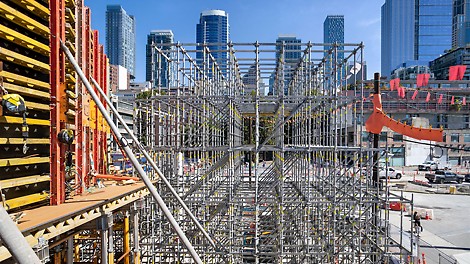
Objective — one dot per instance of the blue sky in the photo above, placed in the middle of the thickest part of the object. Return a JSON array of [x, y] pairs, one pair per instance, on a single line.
[[250, 20]]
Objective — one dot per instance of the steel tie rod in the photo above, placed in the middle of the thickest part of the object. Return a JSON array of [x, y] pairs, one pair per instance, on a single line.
[[125, 146]]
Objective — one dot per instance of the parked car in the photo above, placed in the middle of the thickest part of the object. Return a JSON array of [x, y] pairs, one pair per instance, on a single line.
[[434, 165], [392, 173], [467, 177], [443, 177]]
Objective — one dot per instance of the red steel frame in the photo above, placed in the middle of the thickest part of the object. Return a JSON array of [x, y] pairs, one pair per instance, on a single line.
[[84, 133], [57, 81]]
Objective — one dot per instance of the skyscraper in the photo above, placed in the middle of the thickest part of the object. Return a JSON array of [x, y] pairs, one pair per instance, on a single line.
[[414, 32], [460, 23], [213, 29], [160, 77], [433, 29], [120, 38], [333, 32], [291, 54]]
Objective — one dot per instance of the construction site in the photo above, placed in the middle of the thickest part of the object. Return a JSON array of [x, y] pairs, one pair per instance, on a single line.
[[221, 172]]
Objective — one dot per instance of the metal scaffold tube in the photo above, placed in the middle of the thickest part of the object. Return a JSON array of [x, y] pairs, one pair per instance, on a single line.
[[124, 145], [15, 242], [154, 165]]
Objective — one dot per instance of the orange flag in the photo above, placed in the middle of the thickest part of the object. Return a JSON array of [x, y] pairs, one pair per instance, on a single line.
[[428, 97], [414, 95]]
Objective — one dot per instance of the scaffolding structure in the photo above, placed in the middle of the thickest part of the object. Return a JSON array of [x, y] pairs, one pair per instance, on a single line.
[[277, 178]]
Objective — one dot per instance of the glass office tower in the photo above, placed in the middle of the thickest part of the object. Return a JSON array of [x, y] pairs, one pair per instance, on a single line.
[[160, 74], [414, 32], [460, 23], [120, 38], [213, 29]]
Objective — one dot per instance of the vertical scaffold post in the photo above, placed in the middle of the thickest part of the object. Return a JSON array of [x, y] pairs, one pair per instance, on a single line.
[[125, 146]]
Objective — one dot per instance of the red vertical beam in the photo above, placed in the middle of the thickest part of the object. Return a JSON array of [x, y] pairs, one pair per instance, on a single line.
[[87, 58], [79, 122], [57, 77], [103, 140], [96, 71]]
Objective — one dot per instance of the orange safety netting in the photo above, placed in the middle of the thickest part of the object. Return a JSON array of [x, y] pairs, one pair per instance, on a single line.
[[378, 119]]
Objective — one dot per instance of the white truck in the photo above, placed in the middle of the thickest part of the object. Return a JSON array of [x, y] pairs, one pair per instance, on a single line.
[[431, 165]]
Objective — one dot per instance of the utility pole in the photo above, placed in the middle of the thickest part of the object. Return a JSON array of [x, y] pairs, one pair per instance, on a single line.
[[375, 170]]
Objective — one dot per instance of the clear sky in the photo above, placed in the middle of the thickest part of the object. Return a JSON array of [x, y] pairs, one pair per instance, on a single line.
[[250, 21]]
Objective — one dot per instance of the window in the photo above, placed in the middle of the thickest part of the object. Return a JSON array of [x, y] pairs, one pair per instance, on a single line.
[[383, 136], [454, 137], [466, 138], [365, 136], [397, 137]]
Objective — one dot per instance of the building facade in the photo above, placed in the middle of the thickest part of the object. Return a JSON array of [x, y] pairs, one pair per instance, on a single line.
[[159, 73], [459, 56], [453, 118], [460, 23], [213, 29], [120, 38], [414, 31], [288, 50], [333, 32]]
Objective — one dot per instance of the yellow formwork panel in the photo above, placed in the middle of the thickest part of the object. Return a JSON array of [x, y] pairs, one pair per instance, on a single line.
[[24, 41], [12, 88], [70, 78], [19, 120], [20, 59], [25, 200], [37, 106], [71, 46], [69, 15], [11, 183], [34, 7], [70, 3], [69, 31], [92, 115], [23, 20], [19, 141], [23, 161], [31, 83]]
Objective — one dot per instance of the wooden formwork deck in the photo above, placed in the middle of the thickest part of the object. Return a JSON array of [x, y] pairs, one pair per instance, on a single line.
[[49, 222]]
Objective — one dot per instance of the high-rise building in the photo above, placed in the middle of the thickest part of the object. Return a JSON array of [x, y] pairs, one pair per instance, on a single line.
[[433, 29], [460, 23], [120, 38], [333, 32], [213, 29], [414, 32], [288, 49], [160, 69]]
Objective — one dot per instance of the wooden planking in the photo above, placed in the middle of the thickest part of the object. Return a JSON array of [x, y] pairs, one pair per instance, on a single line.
[[23, 40], [11, 183], [16, 78], [23, 20], [34, 7], [23, 161], [25, 200], [19, 120], [24, 60], [20, 141], [26, 91]]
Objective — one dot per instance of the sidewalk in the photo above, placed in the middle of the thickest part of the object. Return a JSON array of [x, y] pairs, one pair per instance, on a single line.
[[429, 243]]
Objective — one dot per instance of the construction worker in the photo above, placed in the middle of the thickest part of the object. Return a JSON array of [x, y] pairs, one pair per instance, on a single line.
[[417, 221]]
